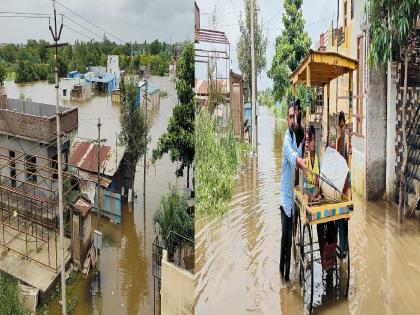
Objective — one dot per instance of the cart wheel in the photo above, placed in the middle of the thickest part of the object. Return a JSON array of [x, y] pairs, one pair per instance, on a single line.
[[307, 267]]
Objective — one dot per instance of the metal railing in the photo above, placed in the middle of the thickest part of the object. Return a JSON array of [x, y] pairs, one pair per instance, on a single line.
[[181, 251], [157, 252]]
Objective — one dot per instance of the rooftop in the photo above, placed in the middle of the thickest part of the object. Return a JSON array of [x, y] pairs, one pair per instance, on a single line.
[[32, 120], [84, 154], [151, 88]]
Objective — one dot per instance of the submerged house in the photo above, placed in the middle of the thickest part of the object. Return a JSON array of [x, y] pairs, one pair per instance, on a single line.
[[81, 91], [153, 94], [106, 83], [113, 170]]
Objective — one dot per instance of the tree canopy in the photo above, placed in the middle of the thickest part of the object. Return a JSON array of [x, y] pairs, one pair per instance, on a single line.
[[134, 123], [291, 47], [34, 61], [244, 44], [390, 24], [178, 140]]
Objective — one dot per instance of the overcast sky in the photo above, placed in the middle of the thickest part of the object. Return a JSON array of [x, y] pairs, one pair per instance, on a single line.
[[129, 20], [317, 14]]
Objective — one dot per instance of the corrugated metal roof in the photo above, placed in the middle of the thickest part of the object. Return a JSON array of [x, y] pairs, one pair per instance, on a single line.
[[84, 154], [151, 88], [108, 77]]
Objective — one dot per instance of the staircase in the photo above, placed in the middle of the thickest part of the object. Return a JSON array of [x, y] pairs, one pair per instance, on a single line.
[[412, 172]]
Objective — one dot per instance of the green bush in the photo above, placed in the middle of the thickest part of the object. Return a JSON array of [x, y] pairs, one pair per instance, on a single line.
[[217, 163], [9, 296], [173, 216]]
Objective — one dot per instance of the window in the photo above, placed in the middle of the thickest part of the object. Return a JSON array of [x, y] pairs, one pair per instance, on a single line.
[[64, 92], [30, 166], [352, 9], [12, 162]]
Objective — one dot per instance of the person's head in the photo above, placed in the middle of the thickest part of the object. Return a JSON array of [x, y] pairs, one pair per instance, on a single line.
[[312, 138], [291, 117], [342, 122]]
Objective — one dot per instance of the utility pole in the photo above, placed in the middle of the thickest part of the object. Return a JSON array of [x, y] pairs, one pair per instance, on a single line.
[[146, 85], [253, 83], [56, 37], [98, 204]]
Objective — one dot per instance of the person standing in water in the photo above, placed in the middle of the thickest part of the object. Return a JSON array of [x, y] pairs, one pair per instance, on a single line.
[[343, 147], [291, 159]]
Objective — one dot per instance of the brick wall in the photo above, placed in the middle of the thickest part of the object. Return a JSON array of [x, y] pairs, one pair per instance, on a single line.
[[413, 99], [36, 127], [3, 101]]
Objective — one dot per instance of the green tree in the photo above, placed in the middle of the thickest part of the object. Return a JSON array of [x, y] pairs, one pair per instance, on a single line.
[[173, 216], [2, 72], [155, 47], [392, 27], [244, 44], [291, 47], [179, 138], [134, 124]]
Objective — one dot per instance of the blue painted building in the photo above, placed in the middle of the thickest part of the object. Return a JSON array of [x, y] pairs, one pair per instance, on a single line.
[[153, 94], [106, 83]]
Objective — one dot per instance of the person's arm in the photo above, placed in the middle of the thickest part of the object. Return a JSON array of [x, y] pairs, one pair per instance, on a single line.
[[292, 156]]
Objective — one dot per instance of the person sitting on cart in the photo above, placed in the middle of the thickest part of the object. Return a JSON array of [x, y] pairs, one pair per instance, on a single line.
[[312, 162], [290, 160], [343, 147]]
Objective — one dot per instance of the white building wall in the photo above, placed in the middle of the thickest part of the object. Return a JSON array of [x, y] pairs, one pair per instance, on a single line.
[[113, 67]]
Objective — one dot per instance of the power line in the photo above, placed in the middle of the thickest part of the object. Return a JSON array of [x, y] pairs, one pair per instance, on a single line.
[[28, 13], [77, 32], [86, 20], [67, 17], [23, 16]]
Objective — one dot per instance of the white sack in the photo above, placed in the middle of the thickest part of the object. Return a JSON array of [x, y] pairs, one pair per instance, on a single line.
[[334, 167]]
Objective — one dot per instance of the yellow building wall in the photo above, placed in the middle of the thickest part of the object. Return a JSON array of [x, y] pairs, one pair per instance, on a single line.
[[349, 49], [177, 291]]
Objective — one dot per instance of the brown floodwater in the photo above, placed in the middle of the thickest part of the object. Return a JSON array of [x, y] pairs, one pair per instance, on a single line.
[[237, 255], [126, 266]]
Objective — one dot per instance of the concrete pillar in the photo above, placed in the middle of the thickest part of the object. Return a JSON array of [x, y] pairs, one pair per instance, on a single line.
[[376, 132], [391, 134]]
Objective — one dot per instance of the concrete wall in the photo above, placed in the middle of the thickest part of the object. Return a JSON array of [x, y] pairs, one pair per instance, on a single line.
[[376, 134], [177, 291], [390, 134]]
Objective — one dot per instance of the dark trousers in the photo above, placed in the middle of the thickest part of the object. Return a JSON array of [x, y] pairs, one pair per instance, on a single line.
[[342, 225], [286, 243]]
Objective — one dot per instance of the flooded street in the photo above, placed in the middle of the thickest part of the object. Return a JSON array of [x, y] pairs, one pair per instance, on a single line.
[[237, 256], [126, 265]]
